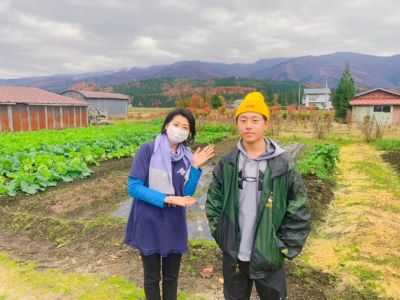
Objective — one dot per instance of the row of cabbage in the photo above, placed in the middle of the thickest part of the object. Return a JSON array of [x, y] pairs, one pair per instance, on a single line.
[[32, 161]]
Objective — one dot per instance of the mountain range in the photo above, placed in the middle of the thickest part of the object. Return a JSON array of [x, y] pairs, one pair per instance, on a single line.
[[367, 70]]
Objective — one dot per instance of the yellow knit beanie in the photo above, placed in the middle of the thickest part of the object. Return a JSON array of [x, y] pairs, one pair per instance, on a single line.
[[253, 102]]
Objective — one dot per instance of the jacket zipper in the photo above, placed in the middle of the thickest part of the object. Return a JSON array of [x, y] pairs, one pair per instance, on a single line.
[[262, 208]]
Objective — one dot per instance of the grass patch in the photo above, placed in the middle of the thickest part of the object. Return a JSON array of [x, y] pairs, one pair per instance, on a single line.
[[204, 244], [390, 260], [32, 282], [314, 142], [324, 285], [55, 284], [380, 177], [103, 222], [368, 278], [350, 252]]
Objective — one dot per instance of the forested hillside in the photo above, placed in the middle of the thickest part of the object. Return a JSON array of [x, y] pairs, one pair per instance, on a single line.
[[166, 91]]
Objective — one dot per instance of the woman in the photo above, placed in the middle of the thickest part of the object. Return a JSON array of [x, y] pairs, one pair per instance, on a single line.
[[162, 180]]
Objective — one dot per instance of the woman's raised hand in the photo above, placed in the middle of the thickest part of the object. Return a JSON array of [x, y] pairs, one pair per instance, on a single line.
[[201, 156], [180, 201]]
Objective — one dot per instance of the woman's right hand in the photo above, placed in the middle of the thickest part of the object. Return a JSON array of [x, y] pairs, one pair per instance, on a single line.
[[180, 201], [201, 156]]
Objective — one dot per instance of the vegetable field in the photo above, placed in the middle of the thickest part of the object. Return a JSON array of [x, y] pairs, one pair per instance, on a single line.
[[32, 161], [74, 232]]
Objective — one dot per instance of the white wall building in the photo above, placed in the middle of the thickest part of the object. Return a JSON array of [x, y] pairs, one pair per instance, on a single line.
[[320, 98]]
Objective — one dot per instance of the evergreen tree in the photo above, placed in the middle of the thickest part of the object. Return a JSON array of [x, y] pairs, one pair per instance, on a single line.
[[281, 99], [270, 99], [344, 93], [216, 102]]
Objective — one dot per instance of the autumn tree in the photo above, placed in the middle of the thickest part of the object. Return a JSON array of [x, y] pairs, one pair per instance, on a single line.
[[183, 102], [197, 101], [344, 93]]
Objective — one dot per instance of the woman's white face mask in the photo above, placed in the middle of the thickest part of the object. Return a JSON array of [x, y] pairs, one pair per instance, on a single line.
[[177, 135]]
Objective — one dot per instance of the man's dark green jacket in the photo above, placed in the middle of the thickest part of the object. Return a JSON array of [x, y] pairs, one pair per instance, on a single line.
[[283, 221]]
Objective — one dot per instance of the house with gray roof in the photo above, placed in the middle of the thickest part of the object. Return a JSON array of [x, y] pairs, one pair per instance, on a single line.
[[320, 98]]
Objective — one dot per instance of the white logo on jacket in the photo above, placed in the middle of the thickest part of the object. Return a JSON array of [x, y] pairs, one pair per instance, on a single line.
[[181, 171]]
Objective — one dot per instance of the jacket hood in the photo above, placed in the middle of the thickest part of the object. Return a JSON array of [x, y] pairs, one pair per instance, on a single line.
[[273, 149]]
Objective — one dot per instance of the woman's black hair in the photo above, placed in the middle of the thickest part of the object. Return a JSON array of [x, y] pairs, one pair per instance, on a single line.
[[184, 112]]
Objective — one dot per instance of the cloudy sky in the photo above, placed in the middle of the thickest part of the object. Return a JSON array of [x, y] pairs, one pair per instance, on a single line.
[[45, 37]]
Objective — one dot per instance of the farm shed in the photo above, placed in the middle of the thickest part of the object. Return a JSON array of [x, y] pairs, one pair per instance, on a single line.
[[383, 104], [30, 108], [112, 104]]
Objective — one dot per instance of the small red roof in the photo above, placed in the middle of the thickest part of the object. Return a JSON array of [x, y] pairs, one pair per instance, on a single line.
[[375, 102], [376, 96], [33, 95], [102, 95]]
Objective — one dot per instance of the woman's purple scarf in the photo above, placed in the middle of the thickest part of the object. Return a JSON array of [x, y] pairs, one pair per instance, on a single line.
[[160, 171]]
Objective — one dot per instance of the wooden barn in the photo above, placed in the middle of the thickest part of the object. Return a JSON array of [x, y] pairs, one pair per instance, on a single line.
[[30, 108], [113, 104], [380, 103]]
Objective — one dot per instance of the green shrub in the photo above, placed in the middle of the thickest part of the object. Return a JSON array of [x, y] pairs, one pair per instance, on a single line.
[[321, 162]]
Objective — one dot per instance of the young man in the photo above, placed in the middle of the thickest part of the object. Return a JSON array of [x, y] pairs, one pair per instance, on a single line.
[[257, 208]]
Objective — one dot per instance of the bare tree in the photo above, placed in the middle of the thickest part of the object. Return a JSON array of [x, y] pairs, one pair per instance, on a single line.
[[321, 123], [371, 130]]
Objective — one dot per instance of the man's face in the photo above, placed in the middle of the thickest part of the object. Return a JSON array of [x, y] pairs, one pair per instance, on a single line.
[[251, 127]]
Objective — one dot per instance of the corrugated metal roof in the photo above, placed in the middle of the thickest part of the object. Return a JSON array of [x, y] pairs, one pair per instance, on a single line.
[[378, 89], [317, 91], [103, 95], [371, 97], [381, 101], [33, 95]]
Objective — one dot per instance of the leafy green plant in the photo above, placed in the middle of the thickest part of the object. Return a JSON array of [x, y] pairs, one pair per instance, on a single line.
[[391, 145], [321, 162], [32, 161], [214, 133]]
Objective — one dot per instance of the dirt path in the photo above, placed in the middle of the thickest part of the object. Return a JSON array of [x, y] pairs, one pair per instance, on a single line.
[[359, 241], [393, 158]]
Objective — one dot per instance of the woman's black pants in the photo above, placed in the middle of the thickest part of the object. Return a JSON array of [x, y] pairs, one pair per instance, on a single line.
[[153, 266]]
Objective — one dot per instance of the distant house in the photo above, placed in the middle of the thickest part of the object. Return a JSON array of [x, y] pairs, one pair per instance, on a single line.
[[320, 98], [30, 108], [236, 103], [112, 104], [383, 104]]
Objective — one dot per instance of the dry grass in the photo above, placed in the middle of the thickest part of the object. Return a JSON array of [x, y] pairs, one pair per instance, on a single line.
[[359, 242], [338, 131]]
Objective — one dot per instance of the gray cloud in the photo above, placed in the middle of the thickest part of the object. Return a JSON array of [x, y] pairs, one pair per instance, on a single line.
[[47, 37]]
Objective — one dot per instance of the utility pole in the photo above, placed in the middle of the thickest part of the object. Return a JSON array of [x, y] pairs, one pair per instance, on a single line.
[[299, 94], [326, 93]]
